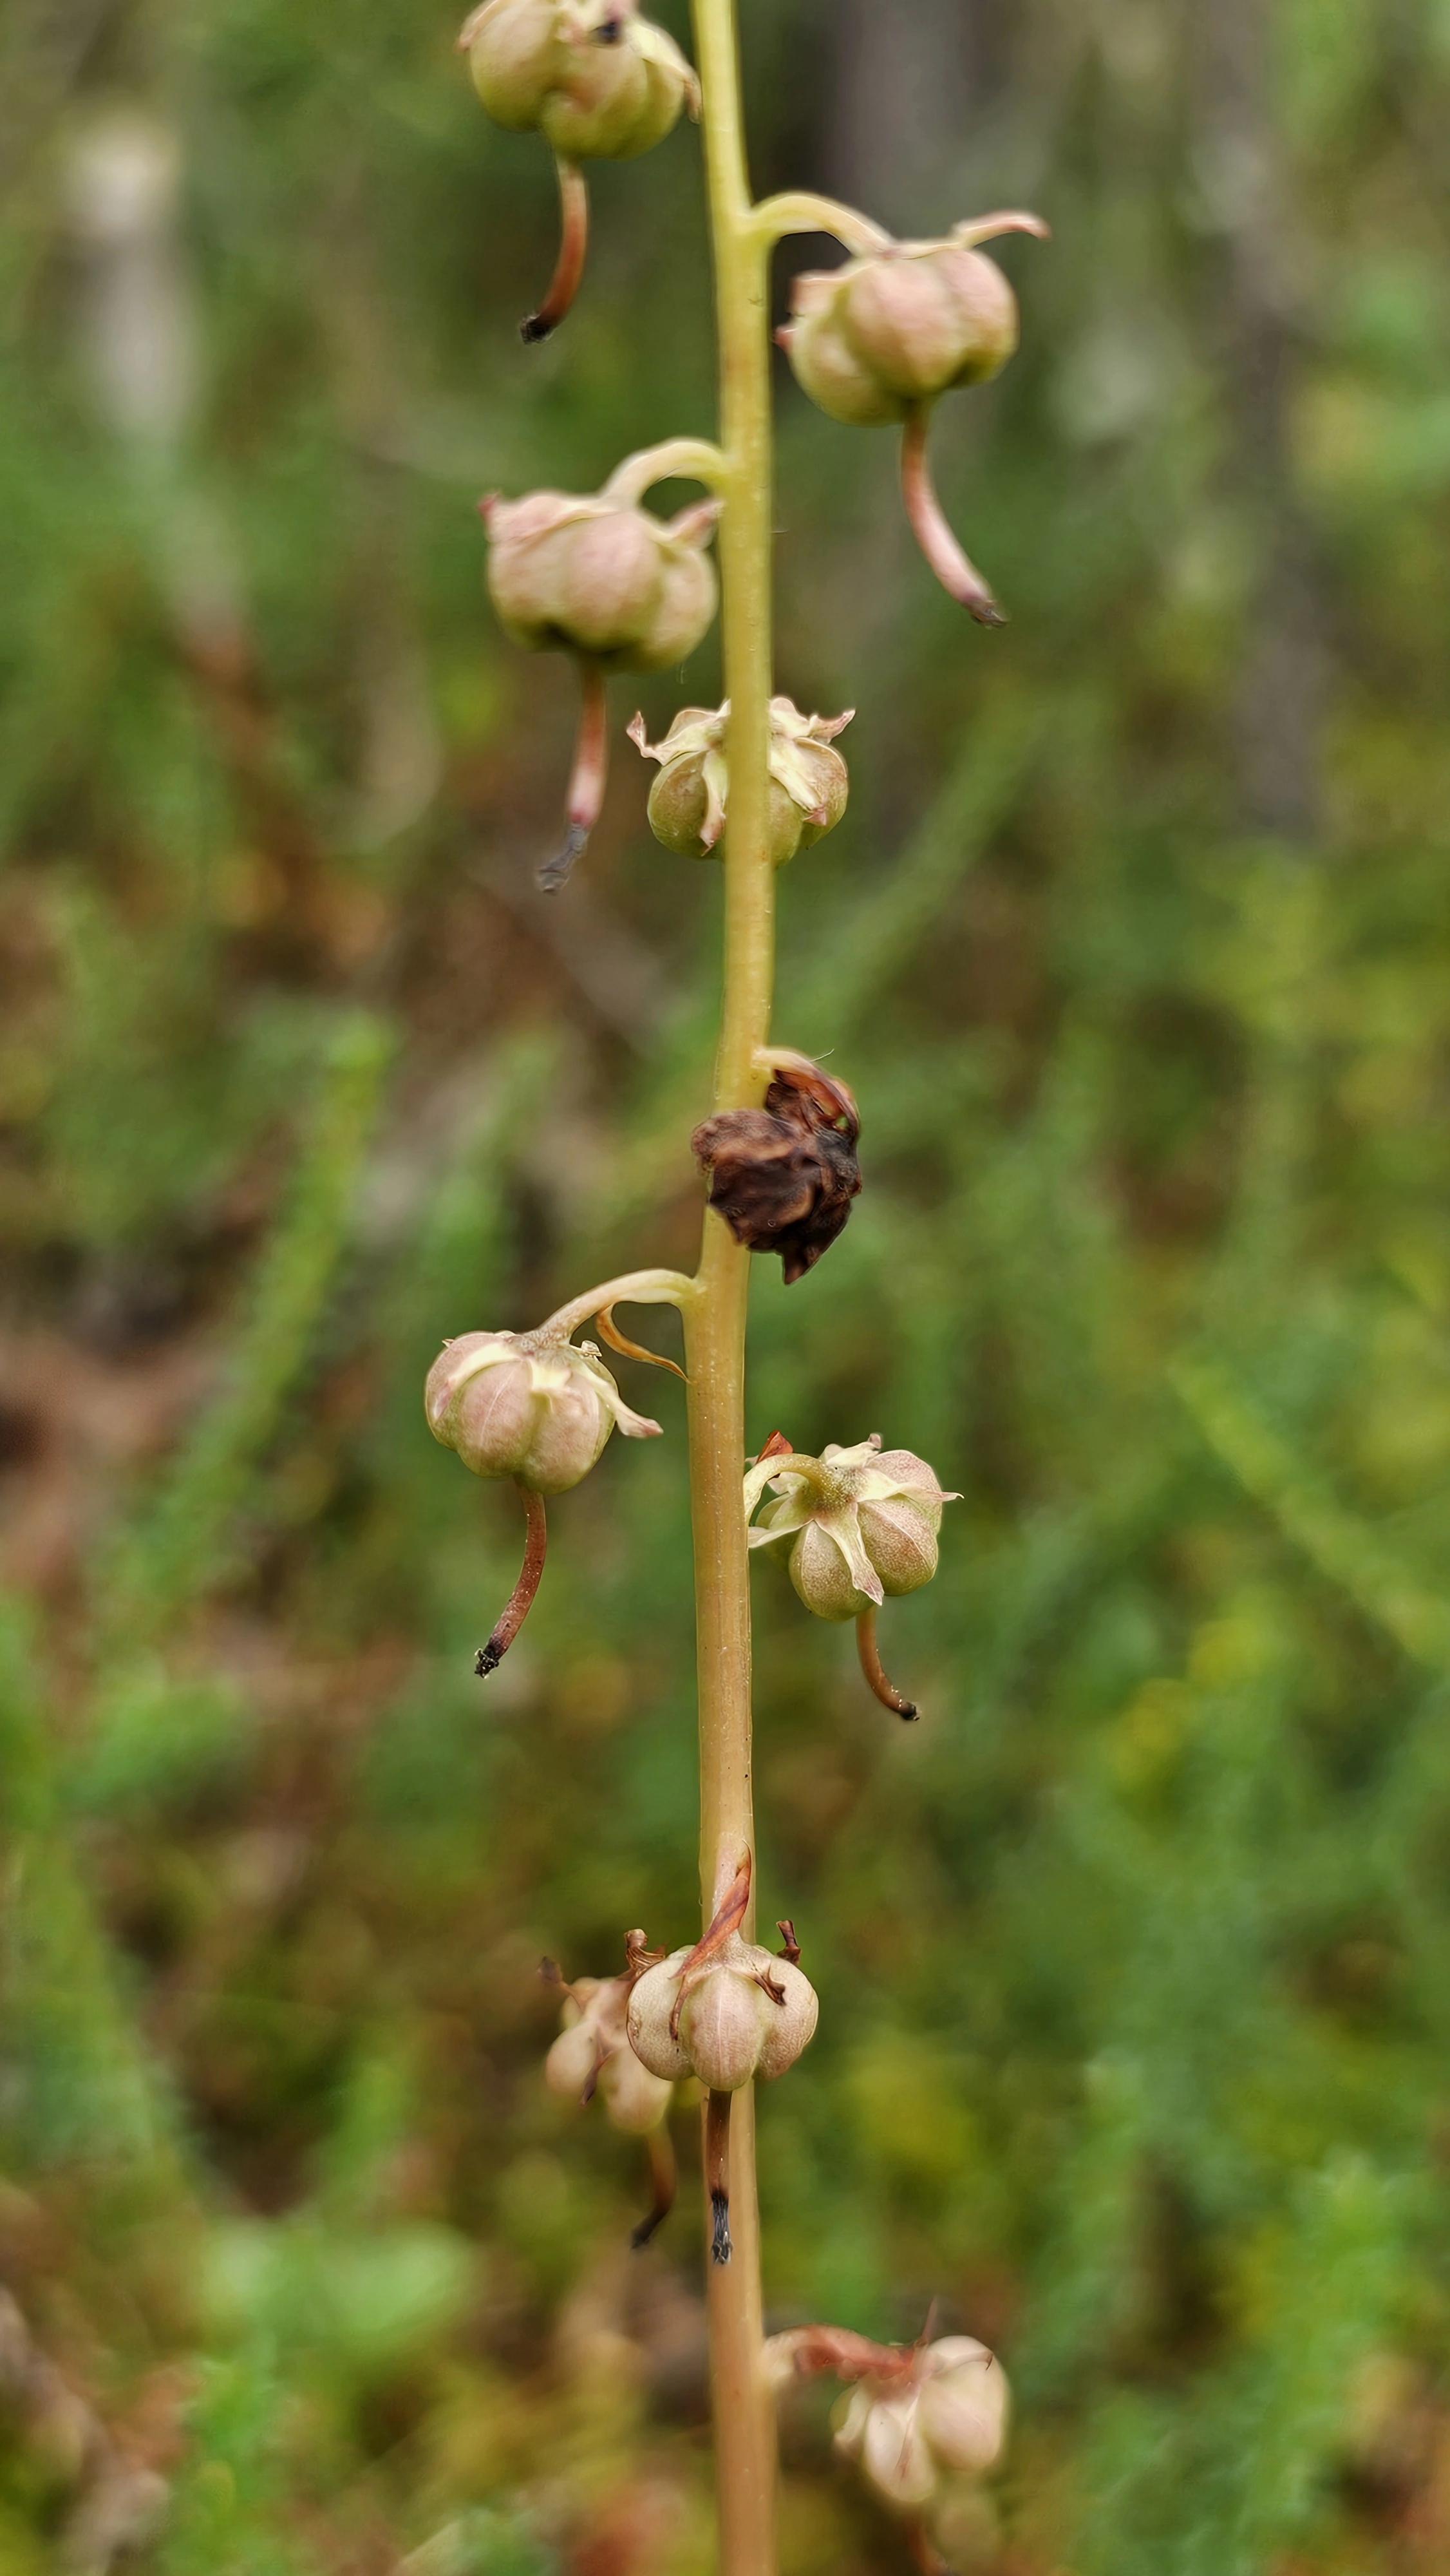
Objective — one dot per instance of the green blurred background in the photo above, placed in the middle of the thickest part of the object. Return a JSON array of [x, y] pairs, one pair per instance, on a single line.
[[1134, 1956]]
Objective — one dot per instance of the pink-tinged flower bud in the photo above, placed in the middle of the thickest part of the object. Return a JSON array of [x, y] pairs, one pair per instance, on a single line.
[[688, 803], [518, 54], [963, 2401], [947, 2411], [576, 573], [855, 1525], [880, 338], [899, 327], [883, 2434], [742, 2014], [592, 2055], [599, 82], [514, 1404]]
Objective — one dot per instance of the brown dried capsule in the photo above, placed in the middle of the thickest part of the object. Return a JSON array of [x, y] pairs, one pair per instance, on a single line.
[[783, 1177]]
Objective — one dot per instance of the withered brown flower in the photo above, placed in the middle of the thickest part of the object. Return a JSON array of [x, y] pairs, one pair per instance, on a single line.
[[783, 1177]]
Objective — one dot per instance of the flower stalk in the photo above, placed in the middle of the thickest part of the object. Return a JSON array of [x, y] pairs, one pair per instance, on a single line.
[[599, 576], [715, 1321]]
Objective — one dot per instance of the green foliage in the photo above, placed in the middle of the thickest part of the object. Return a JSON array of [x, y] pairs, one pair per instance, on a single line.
[[1133, 1955]]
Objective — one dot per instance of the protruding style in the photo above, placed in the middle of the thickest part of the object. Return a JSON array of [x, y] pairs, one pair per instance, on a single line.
[[725, 2011]]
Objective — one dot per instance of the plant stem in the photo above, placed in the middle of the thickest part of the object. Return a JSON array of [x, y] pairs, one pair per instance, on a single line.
[[715, 1323]]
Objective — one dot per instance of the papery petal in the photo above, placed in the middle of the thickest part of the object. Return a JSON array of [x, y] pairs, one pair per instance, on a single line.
[[635, 1426], [845, 1529], [767, 1471], [864, 1451], [715, 779], [875, 1484], [894, 2455]]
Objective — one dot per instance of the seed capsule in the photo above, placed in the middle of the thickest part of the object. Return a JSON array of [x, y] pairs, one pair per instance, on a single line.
[[689, 800]]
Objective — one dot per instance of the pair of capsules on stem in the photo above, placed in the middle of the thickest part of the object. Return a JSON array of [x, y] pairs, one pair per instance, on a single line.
[[722, 2011]]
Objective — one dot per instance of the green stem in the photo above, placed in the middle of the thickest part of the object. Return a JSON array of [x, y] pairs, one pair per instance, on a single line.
[[801, 211], [715, 1323], [631, 1288], [680, 460]]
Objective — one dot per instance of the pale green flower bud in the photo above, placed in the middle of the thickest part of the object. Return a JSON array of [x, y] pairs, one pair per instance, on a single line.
[[599, 82], [689, 800], [576, 573], [856, 1526], [897, 327], [746, 2013], [513, 1404]]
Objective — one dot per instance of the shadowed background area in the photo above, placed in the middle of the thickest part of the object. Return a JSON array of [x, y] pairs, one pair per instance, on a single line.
[[1133, 944]]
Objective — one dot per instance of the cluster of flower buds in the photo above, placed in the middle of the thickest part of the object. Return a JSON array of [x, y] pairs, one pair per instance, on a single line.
[[599, 83], [605, 580], [880, 338], [533, 1406], [724, 2011], [917, 2412], [689, 800], [783, 1176], [854, 1526], [592, 2055]]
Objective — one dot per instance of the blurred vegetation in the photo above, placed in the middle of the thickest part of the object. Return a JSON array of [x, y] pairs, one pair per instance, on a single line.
[[1133, 1956]]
